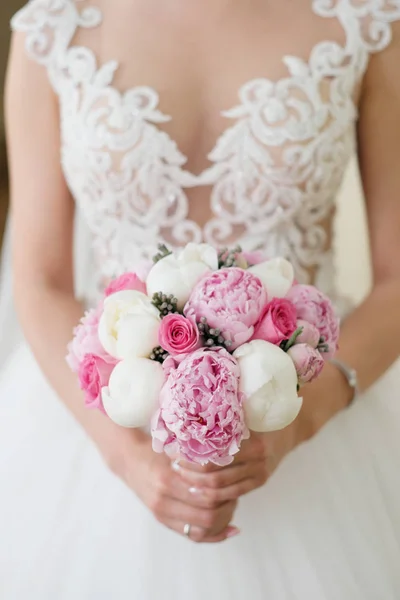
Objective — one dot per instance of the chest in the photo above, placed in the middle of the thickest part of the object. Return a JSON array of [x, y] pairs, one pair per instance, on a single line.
[[198, 59]]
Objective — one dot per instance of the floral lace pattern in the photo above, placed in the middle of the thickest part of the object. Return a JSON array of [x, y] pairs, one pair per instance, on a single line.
[[274, 172]]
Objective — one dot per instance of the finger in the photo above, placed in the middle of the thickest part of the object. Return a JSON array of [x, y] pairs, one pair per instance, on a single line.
[[211, 520], [222, 478], [199, 535], [175, 487], [171, 485], [196, 534], [178, 465], [168, 509], [230, 532], [231, 492], [184, 491], [253, 449]]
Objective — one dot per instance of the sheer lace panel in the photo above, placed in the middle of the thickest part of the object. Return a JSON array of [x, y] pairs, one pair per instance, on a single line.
[[274, 172]]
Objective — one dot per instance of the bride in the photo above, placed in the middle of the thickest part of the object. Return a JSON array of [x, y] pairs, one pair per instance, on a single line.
[[229, 121]]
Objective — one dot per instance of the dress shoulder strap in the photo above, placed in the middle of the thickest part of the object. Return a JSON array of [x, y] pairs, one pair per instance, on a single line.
[[368, 23], [50, 25]]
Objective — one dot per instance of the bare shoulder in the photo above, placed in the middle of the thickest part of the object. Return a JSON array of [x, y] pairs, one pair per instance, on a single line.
[[383, 68], [42, 209], [21, 66], [29, 97]]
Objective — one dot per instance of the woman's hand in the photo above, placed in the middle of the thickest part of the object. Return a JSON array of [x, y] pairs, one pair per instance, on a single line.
[[164, 492], [206, 497], [258, 458], [263, 452]]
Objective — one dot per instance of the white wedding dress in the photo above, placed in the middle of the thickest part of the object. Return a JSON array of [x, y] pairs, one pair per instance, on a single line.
[[327, 524]]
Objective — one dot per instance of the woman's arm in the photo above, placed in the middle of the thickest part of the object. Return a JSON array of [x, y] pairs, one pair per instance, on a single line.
[[42, 218], [370, 336], [42, 222]]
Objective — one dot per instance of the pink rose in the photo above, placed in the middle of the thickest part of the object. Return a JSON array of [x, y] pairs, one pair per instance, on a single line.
[[86, 340], [308, 362], [310, 334], [201, 415], [316, 308], [94, 374], [178, 335], [278, 322], [127, 281], [231, 300]]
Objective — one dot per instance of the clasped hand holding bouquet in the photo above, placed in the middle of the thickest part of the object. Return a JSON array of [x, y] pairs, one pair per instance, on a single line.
[[207, 352]]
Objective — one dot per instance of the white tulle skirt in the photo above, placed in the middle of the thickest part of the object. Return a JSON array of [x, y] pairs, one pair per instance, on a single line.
[[325, 527]]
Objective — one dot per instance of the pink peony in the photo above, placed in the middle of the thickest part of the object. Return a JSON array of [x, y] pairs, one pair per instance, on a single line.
[[316, 308], [127, 281], [231, 300], [86, 340], [94, 374], [310, 334], [201, 415], [178, 335], [278, 322], [254, 258], [308, 362]]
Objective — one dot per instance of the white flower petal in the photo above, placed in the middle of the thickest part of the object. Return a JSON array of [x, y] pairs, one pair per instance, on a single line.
[[269, 381], [277, 276], [282, 413], [128, 318], [163, 275], [177, 275], [138, 336], [192, 273], [270, 409], [203, 253], [131, 397]]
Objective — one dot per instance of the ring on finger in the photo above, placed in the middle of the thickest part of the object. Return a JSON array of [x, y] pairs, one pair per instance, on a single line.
[[186, 530]]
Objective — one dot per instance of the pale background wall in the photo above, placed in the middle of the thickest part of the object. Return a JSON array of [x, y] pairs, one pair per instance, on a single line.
[[7, 9]]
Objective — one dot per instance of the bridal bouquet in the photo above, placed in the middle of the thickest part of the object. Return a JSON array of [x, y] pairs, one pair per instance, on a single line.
[[200, 347]]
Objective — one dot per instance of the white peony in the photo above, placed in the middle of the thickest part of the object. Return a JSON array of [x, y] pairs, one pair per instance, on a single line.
[[131, 397], [268, 379], [129, 325], [277, 275], [177, 274]]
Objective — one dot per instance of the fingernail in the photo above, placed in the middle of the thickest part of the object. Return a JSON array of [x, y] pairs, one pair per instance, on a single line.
[[176, 466], [195, 491], [232, 531]]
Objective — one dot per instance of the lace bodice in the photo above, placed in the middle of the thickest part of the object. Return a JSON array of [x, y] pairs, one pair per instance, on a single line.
[[274, 173]]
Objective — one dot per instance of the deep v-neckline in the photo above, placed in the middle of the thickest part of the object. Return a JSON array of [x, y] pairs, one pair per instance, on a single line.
[[297, 69]]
